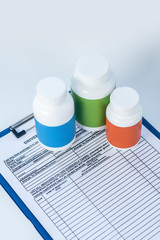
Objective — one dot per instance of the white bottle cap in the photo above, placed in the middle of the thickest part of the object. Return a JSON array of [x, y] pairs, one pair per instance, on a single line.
[[124, 109], [92, 69], [124, 99], [51, 91]]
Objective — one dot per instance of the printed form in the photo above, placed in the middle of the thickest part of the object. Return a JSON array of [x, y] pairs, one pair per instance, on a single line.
[[91, 191]]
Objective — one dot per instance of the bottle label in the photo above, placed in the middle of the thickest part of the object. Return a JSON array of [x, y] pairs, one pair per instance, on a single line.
[[90, 113], [123, 137], [56, 136]]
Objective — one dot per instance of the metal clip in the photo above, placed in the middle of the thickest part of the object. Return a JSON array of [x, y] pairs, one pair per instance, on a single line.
[[19, 123]]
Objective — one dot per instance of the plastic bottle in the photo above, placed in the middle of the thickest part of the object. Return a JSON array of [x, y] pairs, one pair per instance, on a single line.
[[123, 118], [53, 109], [91, 87]]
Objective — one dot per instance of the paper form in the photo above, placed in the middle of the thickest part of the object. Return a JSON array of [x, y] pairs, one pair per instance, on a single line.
[[91, 191]]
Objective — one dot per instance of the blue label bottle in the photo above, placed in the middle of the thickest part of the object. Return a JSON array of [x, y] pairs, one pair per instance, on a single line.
[[53, 109]]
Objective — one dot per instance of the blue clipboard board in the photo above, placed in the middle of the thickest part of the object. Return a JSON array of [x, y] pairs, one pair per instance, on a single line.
[[45, 235]]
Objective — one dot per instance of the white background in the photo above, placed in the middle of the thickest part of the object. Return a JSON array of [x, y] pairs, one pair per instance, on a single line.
[[45, 38]]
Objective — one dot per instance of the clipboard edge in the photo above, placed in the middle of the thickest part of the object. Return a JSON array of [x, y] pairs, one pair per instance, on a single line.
[[151, 128], [25, 210], [4, 132]]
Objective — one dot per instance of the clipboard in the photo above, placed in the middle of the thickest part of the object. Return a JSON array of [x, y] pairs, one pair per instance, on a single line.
[[26, 211]]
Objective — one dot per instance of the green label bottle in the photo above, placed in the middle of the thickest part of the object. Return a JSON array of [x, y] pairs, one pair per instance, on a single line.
[[91, 86]]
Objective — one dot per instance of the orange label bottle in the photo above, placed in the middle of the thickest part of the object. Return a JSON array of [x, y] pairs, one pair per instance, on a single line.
[[123, 118]]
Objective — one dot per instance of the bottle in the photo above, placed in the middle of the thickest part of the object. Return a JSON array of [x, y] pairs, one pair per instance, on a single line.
[[53, 109], [91, 87], [123, 118]]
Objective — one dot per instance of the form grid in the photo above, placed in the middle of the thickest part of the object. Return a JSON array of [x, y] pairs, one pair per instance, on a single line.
[[93, 191]]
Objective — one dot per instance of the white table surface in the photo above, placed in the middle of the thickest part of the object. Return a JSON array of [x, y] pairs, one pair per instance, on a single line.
[[44, 38]]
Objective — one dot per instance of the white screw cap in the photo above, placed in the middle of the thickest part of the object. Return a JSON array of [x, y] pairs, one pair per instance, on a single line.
[[92, 69], [51, 91], [124, 99]]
